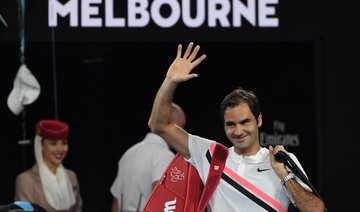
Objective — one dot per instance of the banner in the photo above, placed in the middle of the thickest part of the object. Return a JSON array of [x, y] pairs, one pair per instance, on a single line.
[[153, 20]]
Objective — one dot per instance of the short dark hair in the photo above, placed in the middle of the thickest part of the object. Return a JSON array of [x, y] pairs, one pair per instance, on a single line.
[[236, 97]]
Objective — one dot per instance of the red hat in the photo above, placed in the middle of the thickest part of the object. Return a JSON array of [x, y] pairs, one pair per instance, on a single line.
[[52, 129]]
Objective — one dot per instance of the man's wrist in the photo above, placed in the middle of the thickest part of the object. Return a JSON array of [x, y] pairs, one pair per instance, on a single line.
[[287, 178]]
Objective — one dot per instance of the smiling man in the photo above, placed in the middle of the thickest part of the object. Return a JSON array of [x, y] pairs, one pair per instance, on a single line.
[[252, 179]]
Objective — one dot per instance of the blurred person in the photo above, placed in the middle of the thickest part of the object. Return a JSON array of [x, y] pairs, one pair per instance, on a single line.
[[48, 183], [140, 168]]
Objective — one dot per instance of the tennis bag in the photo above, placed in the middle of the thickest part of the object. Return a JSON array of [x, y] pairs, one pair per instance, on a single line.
[[181, 189]]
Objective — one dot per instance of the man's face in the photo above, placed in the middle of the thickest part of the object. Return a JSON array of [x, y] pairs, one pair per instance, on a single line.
[[242, 129]]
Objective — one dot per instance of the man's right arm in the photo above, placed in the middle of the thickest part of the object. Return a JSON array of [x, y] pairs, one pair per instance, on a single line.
[[161, 121]]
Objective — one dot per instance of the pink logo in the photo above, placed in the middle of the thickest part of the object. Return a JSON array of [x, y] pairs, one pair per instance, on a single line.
[[176, 175]]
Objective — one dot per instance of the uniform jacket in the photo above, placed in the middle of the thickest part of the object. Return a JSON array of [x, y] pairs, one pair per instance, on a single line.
[[29, 188]]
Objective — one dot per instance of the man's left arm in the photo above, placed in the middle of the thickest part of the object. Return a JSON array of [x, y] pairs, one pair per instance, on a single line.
[[304, 199]]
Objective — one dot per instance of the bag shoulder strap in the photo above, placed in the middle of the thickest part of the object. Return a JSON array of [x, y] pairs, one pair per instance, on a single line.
[[217, 166]]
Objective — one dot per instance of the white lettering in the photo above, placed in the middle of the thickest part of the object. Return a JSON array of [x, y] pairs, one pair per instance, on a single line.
[[218, 14], [87, 11], [200, 13], [239, 9], [110, 20], [265, 11], [282, 138], [70, 8], [279, 139], [173, 17], [170, 206], [140, 13]]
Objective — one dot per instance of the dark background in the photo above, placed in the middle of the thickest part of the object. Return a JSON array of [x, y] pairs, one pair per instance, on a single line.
[[304, 72]]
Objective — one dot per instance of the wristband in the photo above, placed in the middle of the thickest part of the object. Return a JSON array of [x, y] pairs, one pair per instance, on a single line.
[[287, 177]]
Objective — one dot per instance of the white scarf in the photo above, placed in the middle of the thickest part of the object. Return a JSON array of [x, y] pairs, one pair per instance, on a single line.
[[57, 188]]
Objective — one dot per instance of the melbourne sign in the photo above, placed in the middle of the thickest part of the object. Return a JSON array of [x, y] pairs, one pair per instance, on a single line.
[[163, 13]]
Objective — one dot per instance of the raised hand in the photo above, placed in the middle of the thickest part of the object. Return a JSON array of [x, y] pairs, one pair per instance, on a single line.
[[180, 69]]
